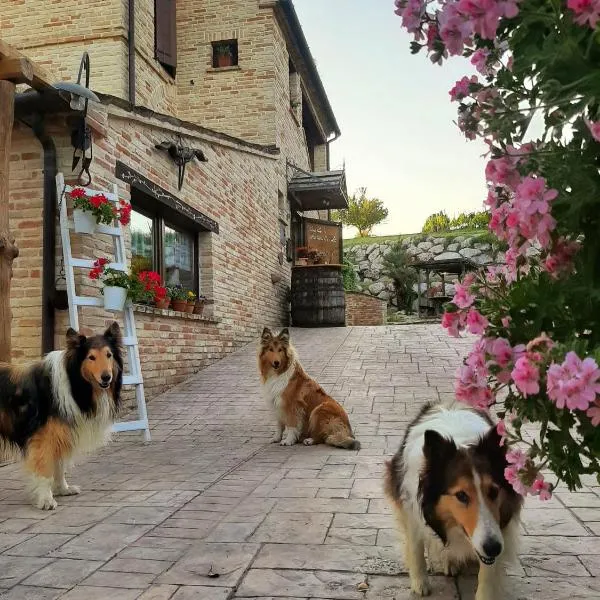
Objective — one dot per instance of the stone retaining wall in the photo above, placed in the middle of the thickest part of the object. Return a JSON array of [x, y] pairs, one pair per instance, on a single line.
[[368, 259], [363, 309]]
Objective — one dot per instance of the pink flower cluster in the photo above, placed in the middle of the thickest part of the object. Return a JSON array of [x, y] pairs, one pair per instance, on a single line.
[[466, 316], [457, 22], [519, 469], [575, 383], [594, 126], [462, 88], [587, 11]]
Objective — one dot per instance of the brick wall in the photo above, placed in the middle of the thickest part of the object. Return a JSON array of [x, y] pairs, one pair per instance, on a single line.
[[364, 310]]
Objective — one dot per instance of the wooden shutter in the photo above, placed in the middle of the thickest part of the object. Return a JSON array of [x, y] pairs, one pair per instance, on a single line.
[[165, 29]]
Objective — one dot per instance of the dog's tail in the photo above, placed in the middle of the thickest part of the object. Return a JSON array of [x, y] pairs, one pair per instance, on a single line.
[[343, 439]]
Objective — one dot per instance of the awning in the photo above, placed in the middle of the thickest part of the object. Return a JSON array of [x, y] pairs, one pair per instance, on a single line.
[[319, 191]]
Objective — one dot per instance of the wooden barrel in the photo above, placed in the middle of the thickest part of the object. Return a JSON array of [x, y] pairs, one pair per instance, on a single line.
[[318, 296]]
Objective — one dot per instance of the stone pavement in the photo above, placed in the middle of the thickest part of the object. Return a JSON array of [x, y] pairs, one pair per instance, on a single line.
[[210, 510]]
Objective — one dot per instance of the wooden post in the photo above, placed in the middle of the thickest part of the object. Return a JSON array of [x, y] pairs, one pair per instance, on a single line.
[[8, 249]]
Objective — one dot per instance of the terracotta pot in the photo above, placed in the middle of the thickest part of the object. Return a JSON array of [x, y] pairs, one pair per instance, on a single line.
[[199, 307], [190, 307], [164, 303], [303, 262], [224, 60], [179, 305]]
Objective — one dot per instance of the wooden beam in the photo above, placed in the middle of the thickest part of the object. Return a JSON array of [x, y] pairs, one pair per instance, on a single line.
[[40, 78], [17, 70], [8, 249]]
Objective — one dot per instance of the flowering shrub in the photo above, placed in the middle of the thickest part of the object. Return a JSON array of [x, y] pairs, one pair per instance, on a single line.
[[101, 207], [538, 315], [146, 287]]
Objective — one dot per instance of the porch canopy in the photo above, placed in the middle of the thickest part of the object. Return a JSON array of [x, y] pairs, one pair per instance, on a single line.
[[319, 191]]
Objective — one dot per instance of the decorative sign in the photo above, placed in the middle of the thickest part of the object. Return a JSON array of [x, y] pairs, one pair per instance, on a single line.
[[325, 237]]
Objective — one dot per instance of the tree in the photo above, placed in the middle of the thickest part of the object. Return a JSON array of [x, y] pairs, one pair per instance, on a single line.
[[436, 222], [537, 316], [396, 265], [363, 213]]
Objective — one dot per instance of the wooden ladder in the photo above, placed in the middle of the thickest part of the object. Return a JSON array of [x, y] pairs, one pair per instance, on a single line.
[[130, 341]]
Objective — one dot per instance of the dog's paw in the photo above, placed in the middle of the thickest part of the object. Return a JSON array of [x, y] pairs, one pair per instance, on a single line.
[[46, 503], [276, 438], [287, 442], [69, 490], [420, 587], [308, 442]]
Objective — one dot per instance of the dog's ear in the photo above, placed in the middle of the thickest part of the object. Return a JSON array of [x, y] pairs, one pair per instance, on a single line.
[[113, 333], [74, 339], [266, 336], [489, 445], [438, 449], [284, 336]]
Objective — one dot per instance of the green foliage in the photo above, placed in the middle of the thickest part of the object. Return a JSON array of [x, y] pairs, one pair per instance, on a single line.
[[436, 222], [440, 221], [396, 265], [362, 212], [349, 275]]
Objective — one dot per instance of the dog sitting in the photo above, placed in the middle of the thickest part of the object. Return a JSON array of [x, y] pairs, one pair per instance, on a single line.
[[302, 409], [447, 488], [60, 407]]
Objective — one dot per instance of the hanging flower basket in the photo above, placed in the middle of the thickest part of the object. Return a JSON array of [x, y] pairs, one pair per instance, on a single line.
[[114, 297], [85, 222]]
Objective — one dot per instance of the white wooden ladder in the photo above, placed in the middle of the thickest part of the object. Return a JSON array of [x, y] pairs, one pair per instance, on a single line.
[[130, 341]]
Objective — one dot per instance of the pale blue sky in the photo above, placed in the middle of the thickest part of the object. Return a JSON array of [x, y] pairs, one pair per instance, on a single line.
[[398, 136]]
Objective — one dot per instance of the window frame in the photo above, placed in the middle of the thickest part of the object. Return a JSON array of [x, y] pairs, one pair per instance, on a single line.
[[165, 35], [159, 222]]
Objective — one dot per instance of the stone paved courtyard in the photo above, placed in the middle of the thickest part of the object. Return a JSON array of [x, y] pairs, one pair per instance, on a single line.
[[210, 510]]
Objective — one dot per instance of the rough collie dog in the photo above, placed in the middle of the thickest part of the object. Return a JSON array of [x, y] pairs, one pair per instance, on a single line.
[[447, 488], [60, 407], [302, 409]]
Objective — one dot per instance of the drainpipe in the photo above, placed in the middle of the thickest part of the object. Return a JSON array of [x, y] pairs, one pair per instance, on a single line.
[[131, 50], [48, 234]]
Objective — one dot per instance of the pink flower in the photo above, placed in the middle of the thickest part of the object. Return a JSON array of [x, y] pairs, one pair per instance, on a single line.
[[573, 384], [502, 171], [511, 474], [462, 297], [526, 376], [480, 60], [462, 87], [594, 413], [471, 387], [501, 429], [454, 322], [594, 127], [476, 322], [541, 488], [483, 15], [411, 12], [455, 31], [502, 352], [517, 458], [587, 11], [505, 322]]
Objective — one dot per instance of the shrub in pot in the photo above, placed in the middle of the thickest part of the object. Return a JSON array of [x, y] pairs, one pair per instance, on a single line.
[[178, 298], [191, 302], [116, 284], [89, 211]]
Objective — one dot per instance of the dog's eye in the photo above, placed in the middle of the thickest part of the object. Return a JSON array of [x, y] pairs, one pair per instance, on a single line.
[[108, 355], [493, 493], [462, 497], [91, 357]]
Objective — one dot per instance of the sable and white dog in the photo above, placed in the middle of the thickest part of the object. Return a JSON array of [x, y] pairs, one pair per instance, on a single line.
[[59, 407], [447, 488], [302, 409]]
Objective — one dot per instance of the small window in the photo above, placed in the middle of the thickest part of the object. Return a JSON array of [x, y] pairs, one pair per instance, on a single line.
[[165, 34], [224, 54], [159, 246]]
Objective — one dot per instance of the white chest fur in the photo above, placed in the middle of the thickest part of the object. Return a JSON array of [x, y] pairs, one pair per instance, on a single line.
[[273, 389]]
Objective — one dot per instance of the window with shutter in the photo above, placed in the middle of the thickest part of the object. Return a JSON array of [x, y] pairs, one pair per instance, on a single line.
[[165, 34]]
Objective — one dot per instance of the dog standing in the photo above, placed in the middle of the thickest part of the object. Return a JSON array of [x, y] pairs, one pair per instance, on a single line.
[[59, 407], [447, 488], [302, 409]]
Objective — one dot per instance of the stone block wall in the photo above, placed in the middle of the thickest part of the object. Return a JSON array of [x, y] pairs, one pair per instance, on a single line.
[[368, 259], [363, 309]]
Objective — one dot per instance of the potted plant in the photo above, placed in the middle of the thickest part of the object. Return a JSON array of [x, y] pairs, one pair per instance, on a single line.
[[191, 302], [178, 298], [89, 211], [116, 284], [302, 256], [144, 287], [224, 55], [200, 304], [161, 297]]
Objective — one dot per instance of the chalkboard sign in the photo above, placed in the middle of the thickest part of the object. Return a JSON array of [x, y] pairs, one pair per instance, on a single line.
[[325, 237]]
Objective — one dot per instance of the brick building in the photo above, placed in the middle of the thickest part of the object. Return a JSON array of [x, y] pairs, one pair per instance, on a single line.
[[232, 80]]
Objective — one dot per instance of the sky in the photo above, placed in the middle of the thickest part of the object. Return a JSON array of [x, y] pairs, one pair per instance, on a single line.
[[398, 138]]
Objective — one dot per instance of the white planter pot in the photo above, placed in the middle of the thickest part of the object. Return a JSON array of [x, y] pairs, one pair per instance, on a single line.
[[114, 298], [85, 222]]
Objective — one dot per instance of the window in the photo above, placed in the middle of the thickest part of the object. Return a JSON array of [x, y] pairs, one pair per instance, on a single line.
[[163, 247], [165, 34], [224, 54]]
